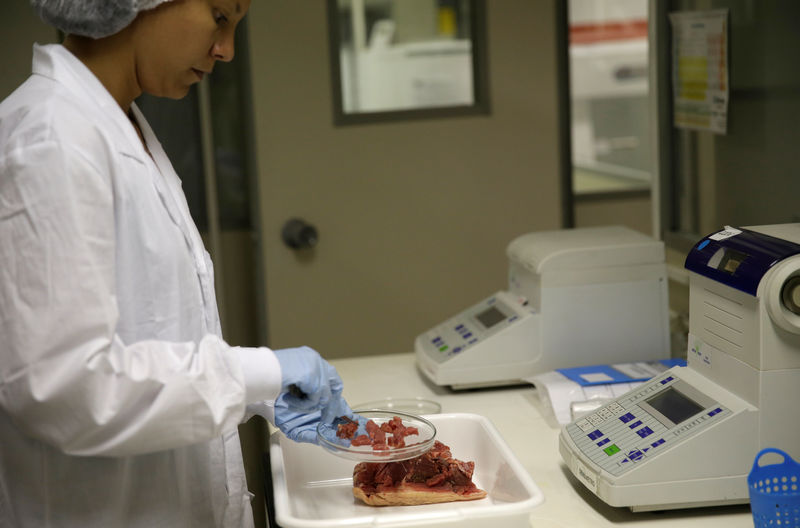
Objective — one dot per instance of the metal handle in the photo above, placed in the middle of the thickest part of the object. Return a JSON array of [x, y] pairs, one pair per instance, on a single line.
[[299, 234]]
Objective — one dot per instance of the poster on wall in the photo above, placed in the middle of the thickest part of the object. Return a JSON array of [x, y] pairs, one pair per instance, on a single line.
[[700, 84]]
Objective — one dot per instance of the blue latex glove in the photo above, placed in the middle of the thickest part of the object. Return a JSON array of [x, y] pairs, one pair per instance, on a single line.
[[301, 425], [305, 369], [335, 408], [298, 415]]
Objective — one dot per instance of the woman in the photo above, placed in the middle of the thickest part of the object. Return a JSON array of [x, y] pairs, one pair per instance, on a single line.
[[119, 401]]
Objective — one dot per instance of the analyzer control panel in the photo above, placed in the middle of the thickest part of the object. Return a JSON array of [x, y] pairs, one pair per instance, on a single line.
[[474, 325], [644, 422]]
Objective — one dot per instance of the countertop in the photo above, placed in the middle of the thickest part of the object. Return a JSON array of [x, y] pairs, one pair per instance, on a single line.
[[532, 434]]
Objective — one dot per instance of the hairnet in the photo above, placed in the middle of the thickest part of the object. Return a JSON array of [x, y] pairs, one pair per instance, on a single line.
[[91, 18]]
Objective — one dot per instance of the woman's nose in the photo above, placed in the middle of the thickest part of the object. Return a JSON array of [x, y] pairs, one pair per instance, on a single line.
[[223, 49]]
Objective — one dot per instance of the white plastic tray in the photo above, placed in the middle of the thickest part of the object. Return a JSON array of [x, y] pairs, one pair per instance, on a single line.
[[313, 488]]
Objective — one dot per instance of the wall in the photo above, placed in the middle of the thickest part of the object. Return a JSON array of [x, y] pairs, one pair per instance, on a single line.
[[632, 209], [20, 27], [461, 188]]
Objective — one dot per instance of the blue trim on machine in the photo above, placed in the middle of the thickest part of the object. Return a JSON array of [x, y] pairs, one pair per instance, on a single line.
[[754, 254]]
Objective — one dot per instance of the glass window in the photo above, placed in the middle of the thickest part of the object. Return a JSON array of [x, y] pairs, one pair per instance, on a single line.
[[392, 57], [608, 56]]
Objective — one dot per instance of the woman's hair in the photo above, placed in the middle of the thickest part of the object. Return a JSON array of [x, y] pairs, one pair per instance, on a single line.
[[91, 18]]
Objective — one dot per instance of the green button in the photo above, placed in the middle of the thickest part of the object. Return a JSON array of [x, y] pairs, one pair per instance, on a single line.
[[443, 348], [610, 450]]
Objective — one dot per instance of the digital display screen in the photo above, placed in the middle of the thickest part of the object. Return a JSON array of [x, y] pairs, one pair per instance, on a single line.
[[674, 405], [490, 317], [730, 261]]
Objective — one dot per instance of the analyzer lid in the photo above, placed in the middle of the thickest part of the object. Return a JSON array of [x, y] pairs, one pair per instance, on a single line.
[[584, 248], [740, 257]]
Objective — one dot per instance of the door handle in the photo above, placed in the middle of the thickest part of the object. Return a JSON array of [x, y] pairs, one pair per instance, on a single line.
[[299, 234]]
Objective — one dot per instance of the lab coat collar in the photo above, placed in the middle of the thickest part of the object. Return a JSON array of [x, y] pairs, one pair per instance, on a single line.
[[168, 186], [56, 62]]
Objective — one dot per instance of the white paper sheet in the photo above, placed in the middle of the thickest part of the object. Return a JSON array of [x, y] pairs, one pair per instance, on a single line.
[[700, 69], [557, 392]]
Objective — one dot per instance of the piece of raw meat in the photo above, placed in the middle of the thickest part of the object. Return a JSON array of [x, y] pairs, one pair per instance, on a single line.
[[430, 478], [376, 435]]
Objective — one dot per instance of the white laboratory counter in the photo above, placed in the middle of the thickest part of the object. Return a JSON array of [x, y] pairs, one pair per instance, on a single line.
[[517, 414]]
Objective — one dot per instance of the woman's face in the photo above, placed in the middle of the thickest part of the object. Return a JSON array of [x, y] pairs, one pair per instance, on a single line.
[[179, 42]]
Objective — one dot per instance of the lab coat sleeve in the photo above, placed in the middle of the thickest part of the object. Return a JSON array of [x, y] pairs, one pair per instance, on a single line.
[[66, 377], [260, 378]]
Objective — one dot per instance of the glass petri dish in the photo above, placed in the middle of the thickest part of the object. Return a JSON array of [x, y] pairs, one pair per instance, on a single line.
[[415, 445], [414, 406]]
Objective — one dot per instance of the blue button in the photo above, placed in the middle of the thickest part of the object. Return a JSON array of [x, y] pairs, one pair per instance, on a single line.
[[627, 417], [473, 340], [467, 335], [644, 432], [603, 442], [594, 435], [460, 327], [635, 455], [456, 350], [703, 244], [657, 442], [635, 424]]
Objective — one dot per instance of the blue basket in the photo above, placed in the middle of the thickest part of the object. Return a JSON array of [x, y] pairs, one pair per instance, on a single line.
[[775, 492]]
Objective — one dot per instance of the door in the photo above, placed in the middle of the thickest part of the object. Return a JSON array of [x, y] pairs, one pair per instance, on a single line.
[[413, 217]]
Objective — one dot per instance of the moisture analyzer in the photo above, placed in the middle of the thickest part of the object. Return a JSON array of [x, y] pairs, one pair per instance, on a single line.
[[575, 297], [688, 437]]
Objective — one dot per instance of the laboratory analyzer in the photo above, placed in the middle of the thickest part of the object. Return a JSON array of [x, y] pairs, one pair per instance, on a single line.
[[575, 297], [688, 437]]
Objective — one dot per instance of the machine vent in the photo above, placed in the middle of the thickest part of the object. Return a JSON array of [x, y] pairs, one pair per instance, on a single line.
[[723, 322]]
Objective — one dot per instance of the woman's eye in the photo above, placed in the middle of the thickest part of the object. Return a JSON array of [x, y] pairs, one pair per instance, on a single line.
[[220, 19]]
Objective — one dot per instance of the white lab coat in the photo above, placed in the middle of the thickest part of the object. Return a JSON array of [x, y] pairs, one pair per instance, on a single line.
[[119, 401]]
